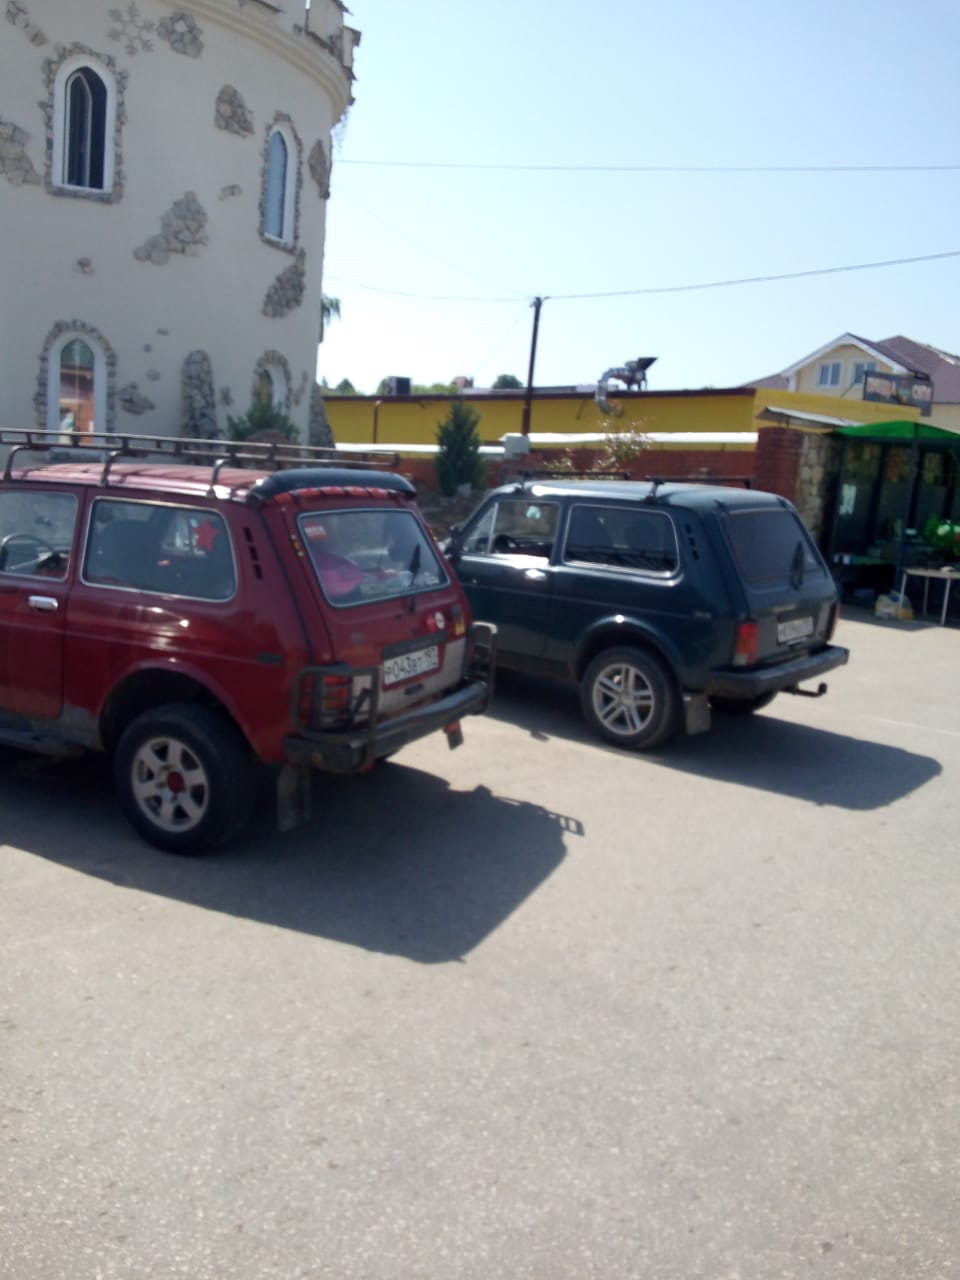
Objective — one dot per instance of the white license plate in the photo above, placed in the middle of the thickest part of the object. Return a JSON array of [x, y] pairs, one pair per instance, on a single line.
[[406, 665], [793, 630]]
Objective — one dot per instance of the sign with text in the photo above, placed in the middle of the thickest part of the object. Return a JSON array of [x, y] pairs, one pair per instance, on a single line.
[[899, 388]]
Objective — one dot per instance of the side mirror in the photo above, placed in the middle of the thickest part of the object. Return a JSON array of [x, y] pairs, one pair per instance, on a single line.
[[451, 545]]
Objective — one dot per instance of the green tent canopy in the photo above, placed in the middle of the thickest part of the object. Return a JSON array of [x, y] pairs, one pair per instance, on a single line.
[[905, 431]]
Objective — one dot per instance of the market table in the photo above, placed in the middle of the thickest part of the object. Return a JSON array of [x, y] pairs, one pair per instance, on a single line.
[[945, 574]]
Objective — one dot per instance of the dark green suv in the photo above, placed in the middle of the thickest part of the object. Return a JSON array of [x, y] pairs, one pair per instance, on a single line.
[[662, 600]]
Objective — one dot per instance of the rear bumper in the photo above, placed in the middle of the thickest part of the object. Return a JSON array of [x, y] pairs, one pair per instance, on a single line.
[[785, 675], [352, 749]]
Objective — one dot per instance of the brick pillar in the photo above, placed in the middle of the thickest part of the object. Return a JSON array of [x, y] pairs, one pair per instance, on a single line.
[[777, 461]]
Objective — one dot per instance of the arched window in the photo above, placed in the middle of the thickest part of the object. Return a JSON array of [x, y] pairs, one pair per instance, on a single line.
[[280, 185], [84, 115], [75, 401], [277, 161], [85, 130], [271, 383], [76, 384]]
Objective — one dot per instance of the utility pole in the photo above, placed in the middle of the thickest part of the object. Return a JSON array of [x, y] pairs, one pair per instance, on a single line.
[[536, 304]]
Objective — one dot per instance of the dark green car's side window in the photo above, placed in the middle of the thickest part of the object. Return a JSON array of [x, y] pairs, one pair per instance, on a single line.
[[622, 537], [514, 526]]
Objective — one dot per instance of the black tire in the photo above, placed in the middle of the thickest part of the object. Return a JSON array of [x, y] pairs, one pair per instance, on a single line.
[[741, 706], [184, 776], [629, 698]]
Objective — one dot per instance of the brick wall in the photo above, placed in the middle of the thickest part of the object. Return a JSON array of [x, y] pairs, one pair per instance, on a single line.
[[776, 465]]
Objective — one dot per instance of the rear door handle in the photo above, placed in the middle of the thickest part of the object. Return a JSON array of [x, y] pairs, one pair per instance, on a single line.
[[43, 604], [535, 575]]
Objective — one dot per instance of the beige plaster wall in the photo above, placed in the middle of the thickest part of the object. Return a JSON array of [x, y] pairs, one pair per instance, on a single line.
[[69, 258]]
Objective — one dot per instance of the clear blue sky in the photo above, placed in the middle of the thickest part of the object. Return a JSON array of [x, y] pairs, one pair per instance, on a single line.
[[435, 265]]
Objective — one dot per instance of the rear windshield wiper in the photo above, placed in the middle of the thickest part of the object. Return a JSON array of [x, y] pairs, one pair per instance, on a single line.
[[796, 567], [413, 569]]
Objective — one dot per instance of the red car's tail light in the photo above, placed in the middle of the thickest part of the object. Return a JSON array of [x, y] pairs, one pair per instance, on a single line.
[[327, 701], [745, 646], [334, 701]]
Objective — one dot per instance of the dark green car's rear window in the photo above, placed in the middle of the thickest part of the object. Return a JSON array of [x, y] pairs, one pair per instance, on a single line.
[[772, 546]]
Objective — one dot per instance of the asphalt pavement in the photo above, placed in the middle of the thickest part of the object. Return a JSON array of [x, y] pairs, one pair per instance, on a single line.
[[534, 1008]]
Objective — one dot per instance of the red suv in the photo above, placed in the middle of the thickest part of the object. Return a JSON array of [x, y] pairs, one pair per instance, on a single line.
[[194, 613]]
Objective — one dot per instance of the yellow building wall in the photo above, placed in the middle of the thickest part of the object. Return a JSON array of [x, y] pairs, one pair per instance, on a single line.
[[829, 407], [400, 420]]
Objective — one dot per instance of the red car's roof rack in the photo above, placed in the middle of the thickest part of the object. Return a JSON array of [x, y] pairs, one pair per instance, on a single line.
[[108, 447]]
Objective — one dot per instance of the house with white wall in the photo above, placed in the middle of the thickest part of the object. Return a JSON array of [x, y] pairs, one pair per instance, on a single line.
[[164, 176]]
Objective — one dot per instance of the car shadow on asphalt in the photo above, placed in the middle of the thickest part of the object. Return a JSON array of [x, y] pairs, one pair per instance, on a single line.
[[394, 861], [760, 751]]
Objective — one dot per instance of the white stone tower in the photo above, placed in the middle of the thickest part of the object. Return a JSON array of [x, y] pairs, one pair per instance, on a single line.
[[164, 172]]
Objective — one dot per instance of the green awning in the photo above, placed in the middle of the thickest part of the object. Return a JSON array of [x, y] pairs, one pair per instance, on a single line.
[[906, 431]]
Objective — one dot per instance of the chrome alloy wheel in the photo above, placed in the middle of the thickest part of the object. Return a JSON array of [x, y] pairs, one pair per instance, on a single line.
[[170, 784], [630, 697], [623, 699]]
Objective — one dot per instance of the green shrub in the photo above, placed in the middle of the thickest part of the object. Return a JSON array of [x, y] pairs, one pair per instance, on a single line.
[[263, 420], [459, 462]]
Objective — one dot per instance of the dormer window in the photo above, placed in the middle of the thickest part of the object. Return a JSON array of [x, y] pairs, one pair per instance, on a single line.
[[829, 374]]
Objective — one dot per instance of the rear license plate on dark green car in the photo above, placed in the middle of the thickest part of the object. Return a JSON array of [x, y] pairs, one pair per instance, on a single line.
[[794, 630]]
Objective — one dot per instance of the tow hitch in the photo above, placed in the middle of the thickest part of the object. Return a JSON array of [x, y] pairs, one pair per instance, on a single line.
[[820, 690]]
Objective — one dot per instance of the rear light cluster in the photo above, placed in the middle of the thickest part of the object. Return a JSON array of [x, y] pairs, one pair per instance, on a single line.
[[745, 646], [332, 700], [437, 623]]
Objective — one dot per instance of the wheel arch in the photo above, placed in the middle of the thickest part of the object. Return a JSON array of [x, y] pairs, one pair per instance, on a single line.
[[619, 632], [147, 689]]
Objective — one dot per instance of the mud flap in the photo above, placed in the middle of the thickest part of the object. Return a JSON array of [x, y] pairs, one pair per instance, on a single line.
[[294, 788], [696, 713]]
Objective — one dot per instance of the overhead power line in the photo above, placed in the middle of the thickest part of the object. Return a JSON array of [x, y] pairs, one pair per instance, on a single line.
[[675, 288], [786, 275], [655, 168]]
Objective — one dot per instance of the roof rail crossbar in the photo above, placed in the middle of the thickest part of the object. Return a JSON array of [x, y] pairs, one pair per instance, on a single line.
[[108, 447], [561, 474]]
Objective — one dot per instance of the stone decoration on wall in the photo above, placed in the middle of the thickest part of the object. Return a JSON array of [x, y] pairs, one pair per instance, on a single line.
[[319, 432], [18, 15], [15, 165], [182, 230], [298, 392], [132, 400], [83, 266], [199, 405], [79, 327], [182, 34], [286, 292], [50, 68], [319, 167], [231, 190], [131, 30], [232, 113], [819, 456]]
